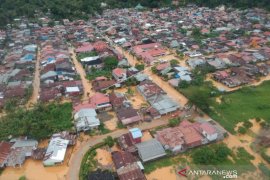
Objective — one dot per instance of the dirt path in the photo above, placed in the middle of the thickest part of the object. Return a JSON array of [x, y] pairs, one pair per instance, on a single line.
[[87, 86], [36, 82]]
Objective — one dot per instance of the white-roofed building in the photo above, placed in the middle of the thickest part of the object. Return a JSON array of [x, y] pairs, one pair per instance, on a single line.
[[56, 152], [86, 119]]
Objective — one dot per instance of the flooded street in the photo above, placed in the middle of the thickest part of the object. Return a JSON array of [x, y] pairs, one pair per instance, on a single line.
[[165, 173], [87, 86], [36, 82], [34, 170]]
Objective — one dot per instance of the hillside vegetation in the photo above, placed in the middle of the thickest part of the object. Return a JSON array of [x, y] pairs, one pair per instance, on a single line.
[[80, 9]]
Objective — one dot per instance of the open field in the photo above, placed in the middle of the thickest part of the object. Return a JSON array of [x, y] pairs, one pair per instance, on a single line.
[[234, 107], [242, 105]]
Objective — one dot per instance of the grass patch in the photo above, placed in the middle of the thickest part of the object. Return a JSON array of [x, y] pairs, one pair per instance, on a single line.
[[242, 105], [238, 106], [265, 170], [164, 162], [210, 157]]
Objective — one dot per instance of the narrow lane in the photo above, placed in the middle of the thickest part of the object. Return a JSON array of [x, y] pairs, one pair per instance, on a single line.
[[171, 91], [87, 86], [36, 82]]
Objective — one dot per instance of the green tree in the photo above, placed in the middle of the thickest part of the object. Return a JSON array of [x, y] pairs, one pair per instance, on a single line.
[[110, 63], [140, 67], [174, 122], [109, 141], [242, 130], [174, 62]]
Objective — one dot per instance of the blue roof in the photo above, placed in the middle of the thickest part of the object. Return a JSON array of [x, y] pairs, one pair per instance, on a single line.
[[50, 59], [28, 57], [135, 132]]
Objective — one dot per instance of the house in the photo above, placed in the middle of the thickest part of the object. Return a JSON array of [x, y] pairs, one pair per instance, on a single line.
[[49, 77], [150, 150], [195, 62], [5, 149], [164, 104], [100, 46], [130, 171], [171, 138], [119, 74], [191, 136], [122, 159], [127, 166], [182, 73], [72, 91], [56, 152], [208, 131], [149, 52], [84, 48], [126, 144], [67, 136], [86, 119], [100, 84], [93, 61], [100, 102], [20, 150], [136, 135], [117, 99], [217, 63], [149, 90], [157, 97], [128, 115]]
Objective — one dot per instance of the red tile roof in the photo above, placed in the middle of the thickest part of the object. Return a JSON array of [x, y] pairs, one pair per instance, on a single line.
[[119, 71]]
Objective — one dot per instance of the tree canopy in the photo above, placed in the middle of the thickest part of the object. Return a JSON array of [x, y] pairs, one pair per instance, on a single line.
[[80, 9], [38, 123]]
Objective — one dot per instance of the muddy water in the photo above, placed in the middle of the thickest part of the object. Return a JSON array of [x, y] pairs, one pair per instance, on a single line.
[[34, 170], [137, 100], [104, 157], [87, 86], [146, 136], [112, 123], [36, 83], [165, 173]]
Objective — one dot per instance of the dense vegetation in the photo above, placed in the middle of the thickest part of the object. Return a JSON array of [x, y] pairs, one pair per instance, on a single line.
[[110, 63], [38, 123], [79, 9], [209, 157], [71, 9], [233, 3], [239, 106]]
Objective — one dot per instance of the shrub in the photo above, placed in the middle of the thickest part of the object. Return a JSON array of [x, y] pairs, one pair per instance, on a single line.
[[242, 130], [211, 155], [174, 122], [109, 141], [140, 67], [248, 124], [264, 169]]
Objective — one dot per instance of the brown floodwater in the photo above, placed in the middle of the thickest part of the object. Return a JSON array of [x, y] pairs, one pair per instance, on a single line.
[[34, 170]]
